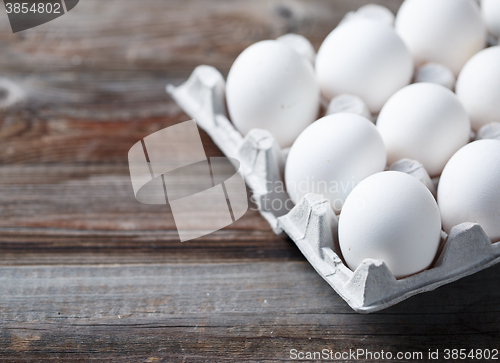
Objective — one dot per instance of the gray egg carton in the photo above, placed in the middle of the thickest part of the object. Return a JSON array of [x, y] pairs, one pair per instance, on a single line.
[[312, 224]]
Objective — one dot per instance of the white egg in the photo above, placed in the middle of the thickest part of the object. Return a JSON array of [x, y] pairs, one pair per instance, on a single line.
[[332, 156], [469, 188], [424, 122], [372, 12], [300, 44], [270, 86], [392, 217], [376, 12], [478, 87], [448, 32], [491, 14], [365, 58]]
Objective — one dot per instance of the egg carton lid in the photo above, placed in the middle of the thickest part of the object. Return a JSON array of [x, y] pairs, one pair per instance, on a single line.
[[311, 223]]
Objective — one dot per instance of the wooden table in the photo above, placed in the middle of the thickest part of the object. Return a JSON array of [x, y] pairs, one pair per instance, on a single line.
[[89, 274]]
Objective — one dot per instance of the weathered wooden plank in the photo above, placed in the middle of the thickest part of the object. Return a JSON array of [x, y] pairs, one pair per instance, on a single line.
[[168, 36], [239, 312], [36, 139], [55, 213], [36, 246], [86, 197]]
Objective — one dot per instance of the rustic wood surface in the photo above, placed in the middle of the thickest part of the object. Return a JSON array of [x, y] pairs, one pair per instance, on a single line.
[[89, 274]]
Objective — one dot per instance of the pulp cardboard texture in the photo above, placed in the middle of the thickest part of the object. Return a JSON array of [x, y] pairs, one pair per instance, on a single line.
[[312, 224]]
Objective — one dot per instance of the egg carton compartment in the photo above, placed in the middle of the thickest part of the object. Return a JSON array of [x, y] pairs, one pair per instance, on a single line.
[[312, 224]]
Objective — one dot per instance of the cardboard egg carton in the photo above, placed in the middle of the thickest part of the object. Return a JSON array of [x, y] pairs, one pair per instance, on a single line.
[[312, 224]]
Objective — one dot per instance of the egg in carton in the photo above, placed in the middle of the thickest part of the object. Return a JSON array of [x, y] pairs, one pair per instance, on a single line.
[[312, 224], [491, 13]]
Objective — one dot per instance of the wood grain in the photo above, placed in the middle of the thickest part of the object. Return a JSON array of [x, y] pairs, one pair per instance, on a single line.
[[172, 38], [255, 312], [89, 274]]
